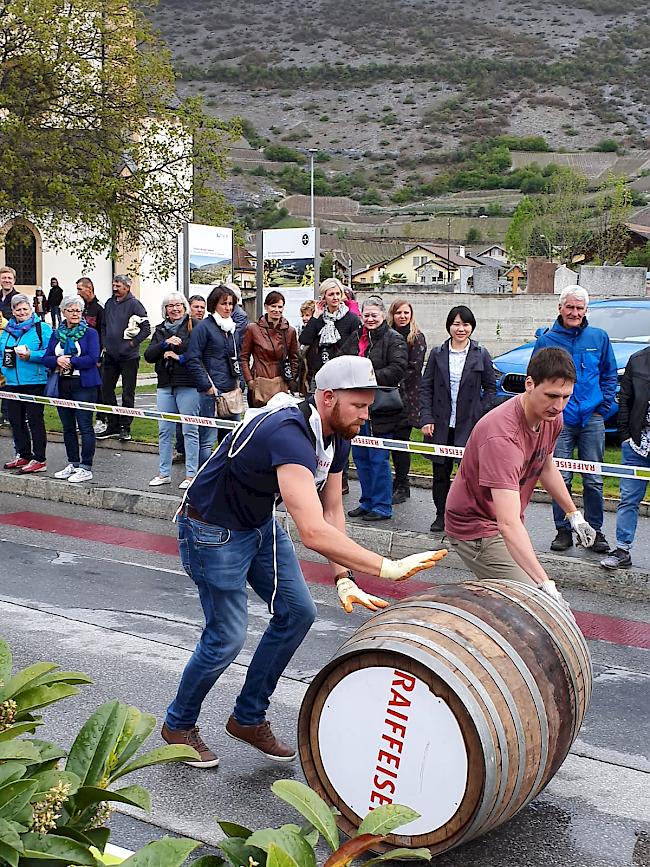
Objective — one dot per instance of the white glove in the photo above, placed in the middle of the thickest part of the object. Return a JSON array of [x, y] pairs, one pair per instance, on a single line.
[[350, 593], [551, 590], [584, 531], [399, 570]]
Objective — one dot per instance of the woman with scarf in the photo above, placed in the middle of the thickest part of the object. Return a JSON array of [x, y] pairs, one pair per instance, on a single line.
[[73, 353], [22, 347], [333, 330], [213, 359], [402, 319], [176, 391], [387, 351]]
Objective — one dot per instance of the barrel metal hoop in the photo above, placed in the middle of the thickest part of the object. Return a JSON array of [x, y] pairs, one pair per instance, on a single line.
[[558, 645], [519, 663], [446, 676]]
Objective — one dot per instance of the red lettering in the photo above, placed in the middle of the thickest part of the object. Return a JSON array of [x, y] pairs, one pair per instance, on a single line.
[[384, 784], [395, 744], [397, 714], [397, 699], [407, 681], [388, 758], [398, 728], [377, 797], [386, 772]]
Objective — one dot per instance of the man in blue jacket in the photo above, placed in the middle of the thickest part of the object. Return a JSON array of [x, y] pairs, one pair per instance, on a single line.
[[584, 425]]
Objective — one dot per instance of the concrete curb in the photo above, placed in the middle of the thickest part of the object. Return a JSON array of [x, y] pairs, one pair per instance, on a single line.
[[581, 574]]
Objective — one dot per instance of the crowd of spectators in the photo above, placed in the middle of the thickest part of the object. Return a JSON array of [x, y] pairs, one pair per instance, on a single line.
[[205, 349]]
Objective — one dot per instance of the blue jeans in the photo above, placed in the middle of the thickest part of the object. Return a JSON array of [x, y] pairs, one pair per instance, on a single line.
[[221, 562], [183, 400], [207, 435], [83, 418], [590, 442], [373, 469], [632, 491]]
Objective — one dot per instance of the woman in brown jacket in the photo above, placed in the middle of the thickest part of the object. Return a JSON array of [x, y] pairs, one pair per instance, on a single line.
[[272, 344]]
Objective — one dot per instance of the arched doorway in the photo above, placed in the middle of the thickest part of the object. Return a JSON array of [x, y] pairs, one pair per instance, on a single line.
[[21, 253]]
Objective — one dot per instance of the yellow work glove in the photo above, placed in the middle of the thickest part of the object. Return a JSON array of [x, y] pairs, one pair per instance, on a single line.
[[399, 570], [350, 594]]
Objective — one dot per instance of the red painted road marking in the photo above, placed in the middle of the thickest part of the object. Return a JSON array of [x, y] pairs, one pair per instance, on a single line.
[[632, 633]]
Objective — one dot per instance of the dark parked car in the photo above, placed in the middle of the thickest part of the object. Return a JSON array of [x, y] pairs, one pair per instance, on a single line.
[[628, 326]]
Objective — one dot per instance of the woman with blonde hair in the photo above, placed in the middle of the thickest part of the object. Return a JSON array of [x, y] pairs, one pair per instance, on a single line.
[[402, 319], [333, 329], [176, 391]]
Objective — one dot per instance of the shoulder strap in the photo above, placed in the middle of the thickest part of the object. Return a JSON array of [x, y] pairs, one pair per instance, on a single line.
[[39, 331]]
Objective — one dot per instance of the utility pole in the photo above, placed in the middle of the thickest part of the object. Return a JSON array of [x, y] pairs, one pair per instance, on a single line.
[[448, 248], [312, 153]]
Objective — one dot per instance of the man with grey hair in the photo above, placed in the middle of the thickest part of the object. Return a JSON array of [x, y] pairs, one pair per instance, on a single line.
[[124, 326], [584, 415]]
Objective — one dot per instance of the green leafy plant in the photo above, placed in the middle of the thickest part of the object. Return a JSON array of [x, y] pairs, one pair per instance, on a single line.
[[294, 845], [57, 813]]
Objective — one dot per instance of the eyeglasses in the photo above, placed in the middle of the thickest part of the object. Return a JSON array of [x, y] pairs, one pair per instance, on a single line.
[[170, 306]]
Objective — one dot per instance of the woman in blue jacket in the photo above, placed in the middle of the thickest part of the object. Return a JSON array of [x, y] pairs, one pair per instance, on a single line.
[[22, 346], [73, 352], [213, 359]]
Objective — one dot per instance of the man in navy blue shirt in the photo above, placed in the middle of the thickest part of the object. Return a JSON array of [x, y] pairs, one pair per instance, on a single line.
[[228, 537]]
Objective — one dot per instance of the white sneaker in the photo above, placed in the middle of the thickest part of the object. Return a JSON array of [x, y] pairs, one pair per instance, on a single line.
[[80, 475], [160, 480], [100, 427], [66, 472], [185, 484]]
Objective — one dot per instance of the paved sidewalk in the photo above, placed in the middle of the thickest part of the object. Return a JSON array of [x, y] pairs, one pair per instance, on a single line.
[[122, 473]]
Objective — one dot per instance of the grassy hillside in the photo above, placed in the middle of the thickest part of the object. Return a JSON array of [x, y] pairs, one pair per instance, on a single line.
[[389, 90]]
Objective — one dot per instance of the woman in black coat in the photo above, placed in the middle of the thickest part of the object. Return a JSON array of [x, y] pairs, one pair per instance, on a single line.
[[458, 387], [387, 351], [402, 319]]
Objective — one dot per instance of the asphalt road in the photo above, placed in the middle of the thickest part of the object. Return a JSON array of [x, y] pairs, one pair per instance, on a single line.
[[122, 610]]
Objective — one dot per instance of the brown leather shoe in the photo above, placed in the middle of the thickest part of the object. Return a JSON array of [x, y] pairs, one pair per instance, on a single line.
[[262, 738], [191, 738]]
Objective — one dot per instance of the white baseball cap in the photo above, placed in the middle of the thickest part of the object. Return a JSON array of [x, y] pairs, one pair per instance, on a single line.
[[346, 372]]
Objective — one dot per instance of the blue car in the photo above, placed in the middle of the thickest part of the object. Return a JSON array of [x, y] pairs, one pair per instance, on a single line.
[[628, 326]]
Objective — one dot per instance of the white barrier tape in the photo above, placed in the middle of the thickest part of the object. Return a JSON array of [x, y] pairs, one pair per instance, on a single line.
[[594, 468]]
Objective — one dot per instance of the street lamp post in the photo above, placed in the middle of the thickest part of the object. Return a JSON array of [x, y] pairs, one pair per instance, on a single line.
[[312, 153]]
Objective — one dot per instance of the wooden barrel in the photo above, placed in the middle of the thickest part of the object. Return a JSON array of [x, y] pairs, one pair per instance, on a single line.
[[461, 703]]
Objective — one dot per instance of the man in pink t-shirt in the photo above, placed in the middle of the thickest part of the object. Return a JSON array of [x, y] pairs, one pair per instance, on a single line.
[[508, 452]]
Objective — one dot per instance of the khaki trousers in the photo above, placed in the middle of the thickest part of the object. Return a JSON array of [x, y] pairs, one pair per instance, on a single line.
[[489, 558]]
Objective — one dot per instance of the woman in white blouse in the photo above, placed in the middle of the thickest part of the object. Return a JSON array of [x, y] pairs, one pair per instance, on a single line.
[[458, 387]]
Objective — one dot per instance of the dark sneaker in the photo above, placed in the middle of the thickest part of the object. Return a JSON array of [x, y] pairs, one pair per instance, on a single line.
[[376, 516], [125, 434], [357, 513], [618, 559], [191, 738], [601, 545], [261, 738], [107, 435], [438, 525], [179, 458], [401, 495], [563, 540]]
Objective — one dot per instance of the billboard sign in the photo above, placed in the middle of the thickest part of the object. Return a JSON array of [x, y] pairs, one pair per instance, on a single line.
[[207, 257], [287, 262]]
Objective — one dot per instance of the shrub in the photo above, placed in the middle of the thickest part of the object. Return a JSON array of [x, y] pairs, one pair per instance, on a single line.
[[607, 145], [282, 154]]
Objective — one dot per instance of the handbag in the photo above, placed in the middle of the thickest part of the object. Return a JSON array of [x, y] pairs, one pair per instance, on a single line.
[[52, 385], [387, 400], [262, 388], [229, 403]]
